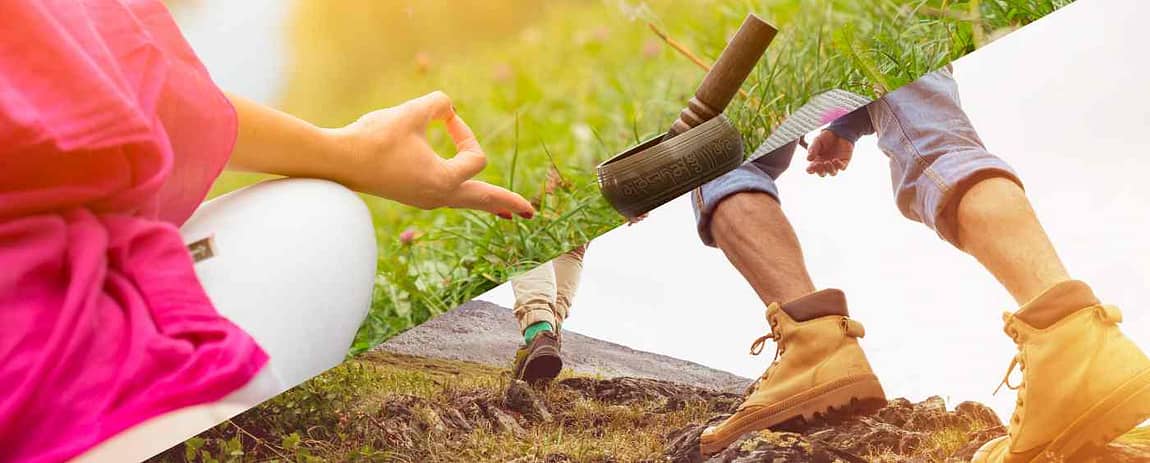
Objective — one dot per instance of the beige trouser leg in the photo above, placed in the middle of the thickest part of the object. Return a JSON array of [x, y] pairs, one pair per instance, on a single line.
[[567, 269], [544, 294], [535, 296]]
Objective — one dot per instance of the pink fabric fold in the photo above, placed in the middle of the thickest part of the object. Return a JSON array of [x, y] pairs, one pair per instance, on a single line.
[[111, 132]]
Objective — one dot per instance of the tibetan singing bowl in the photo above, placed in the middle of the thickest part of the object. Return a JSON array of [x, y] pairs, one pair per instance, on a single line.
[[657, 170]]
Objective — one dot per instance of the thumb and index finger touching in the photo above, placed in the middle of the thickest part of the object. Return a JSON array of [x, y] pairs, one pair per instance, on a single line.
[[468, 162]]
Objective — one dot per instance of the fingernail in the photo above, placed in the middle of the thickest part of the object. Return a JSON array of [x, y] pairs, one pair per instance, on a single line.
[[504, 215], [527, 215]]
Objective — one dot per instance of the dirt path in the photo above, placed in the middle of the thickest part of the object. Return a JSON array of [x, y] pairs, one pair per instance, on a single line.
[[486, 333]]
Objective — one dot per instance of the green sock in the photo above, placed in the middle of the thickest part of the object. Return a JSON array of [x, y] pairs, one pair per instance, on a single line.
[[535, 328]]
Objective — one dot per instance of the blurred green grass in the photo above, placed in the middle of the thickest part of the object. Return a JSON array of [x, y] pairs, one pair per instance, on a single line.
[[552, 88]]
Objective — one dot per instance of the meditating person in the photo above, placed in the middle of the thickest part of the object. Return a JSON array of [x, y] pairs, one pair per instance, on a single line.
[[1084, 382], [132, 316]]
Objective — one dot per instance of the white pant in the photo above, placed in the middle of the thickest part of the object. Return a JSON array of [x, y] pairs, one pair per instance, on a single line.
[[294, 266]]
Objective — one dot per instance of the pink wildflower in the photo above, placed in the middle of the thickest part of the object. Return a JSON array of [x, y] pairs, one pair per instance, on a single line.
[[408, 236]]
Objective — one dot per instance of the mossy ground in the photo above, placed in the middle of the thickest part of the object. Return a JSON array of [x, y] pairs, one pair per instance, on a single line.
[[348, 414], [341, 416]]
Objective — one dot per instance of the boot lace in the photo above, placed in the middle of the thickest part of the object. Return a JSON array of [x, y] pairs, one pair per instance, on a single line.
[[757, 347], [1020, 363]]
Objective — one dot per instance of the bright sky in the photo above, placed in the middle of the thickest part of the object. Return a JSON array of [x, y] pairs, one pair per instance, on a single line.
[[1065, 101]]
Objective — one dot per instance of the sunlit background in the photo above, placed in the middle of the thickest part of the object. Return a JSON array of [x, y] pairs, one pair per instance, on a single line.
[[552, 88], [584, 78], [932, 314]]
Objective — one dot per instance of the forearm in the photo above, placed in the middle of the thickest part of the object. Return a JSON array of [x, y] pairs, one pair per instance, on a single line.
[[274, 142], [383, 153]]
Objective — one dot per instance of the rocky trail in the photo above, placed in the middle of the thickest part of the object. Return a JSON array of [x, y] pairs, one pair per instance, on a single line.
[[443, 393], [900, 432], [592, 412], [660, 401]]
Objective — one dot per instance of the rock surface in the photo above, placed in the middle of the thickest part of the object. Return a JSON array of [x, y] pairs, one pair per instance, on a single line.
[[486, 333], [901, 431], [669, 396]]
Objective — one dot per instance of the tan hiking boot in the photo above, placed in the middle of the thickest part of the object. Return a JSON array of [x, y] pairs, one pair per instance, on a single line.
[[819, 367], [538, 362], [1084, 383]]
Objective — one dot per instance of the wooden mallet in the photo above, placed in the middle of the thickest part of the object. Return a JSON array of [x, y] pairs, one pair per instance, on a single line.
[[722, 82], [700, 146]]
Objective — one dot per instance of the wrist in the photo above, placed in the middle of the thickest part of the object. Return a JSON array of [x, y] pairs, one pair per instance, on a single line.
[[341, 156], [847, 135]]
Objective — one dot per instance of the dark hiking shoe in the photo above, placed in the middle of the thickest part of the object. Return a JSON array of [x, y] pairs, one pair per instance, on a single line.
[[539, 361]]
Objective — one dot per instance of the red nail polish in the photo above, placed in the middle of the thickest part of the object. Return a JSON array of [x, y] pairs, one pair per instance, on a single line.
[[527, 215], [504, 216]]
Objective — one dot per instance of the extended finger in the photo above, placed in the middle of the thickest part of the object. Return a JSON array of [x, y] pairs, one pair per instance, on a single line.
[[815, 167], [474, 194], [828, 168]]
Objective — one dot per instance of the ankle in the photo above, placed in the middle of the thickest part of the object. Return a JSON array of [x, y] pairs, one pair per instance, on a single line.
[[1057, 302], [824, 303]]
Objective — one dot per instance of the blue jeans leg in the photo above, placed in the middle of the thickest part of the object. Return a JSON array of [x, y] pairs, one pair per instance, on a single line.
[[935, 153]]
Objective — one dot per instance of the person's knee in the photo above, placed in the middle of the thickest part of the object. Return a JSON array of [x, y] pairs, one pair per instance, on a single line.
[[313, 195], [325, 206], [734, 209], [987, 199], [745, 202], [297, 261], [748, 179]]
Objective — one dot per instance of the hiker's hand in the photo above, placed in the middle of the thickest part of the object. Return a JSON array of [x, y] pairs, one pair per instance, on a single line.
[[829, 154], [391, 157]]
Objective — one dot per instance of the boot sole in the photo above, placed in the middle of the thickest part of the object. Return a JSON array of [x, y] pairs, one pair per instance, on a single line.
[[542, 366], [850, 396], [1115, 415], [1122, 410]]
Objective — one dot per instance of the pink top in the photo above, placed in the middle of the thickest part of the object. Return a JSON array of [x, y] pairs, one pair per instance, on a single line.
[[111, 132]]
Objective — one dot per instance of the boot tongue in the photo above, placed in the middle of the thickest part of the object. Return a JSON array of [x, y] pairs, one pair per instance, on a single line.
[[1057, 302], [825, 303]]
